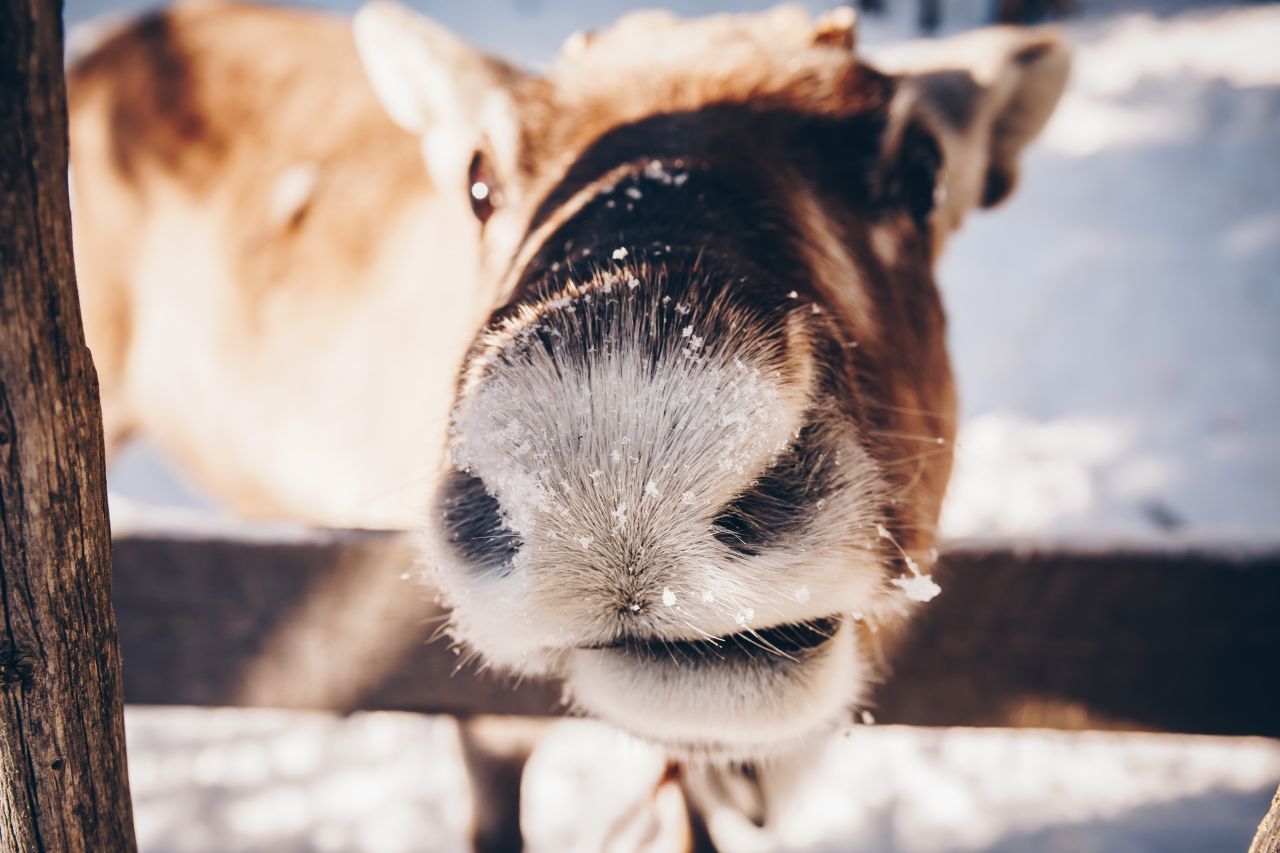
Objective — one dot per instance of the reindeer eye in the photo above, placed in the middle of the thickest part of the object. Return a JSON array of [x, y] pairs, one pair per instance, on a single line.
[[482, 187]]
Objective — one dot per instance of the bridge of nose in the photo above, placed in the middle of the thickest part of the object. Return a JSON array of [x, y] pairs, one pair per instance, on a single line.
[[591, 445]]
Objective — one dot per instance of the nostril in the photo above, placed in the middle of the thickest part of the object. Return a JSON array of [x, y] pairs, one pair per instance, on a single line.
[[472, 519], [780, 502]]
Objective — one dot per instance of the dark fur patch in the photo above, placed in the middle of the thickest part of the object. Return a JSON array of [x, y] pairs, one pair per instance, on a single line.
[[726, 222], [840, 150], [913, 179], [997, 185], [154, 111]]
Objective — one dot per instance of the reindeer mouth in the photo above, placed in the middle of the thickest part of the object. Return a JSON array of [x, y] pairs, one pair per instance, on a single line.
[[743, 695], [786, 642]]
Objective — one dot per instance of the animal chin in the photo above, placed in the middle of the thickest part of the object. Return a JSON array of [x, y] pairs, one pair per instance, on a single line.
[[738, 697]]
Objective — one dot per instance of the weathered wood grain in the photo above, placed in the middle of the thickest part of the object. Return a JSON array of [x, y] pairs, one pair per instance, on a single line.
[[63, 783], [1267, 839], [1171, 638]]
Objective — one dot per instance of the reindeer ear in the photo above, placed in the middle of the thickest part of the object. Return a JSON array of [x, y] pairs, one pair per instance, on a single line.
[[431, 82], [984, 95]]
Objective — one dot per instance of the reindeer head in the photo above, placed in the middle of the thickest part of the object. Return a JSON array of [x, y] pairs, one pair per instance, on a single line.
[[699, 449]]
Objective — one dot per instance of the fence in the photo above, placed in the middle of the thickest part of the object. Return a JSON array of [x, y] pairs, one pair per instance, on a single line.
[[1122, 636]]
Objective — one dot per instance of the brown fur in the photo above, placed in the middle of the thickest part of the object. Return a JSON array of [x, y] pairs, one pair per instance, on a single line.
[[217, 99], [201, 108], [307, 370]]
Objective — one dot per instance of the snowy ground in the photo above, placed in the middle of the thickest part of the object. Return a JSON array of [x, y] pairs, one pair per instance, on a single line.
[[1121, 370], [1116, 332], [227, 781]]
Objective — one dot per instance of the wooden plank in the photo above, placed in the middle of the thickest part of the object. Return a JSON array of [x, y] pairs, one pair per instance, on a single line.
[[335, 621], [63, 782], [1169, 638], [1174, 638]]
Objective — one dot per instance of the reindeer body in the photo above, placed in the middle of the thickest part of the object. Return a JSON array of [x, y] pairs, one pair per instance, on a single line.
[[262, 257], [677, 394]]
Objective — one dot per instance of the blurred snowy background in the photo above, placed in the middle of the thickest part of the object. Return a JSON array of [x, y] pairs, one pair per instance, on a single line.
[[1116, 333]]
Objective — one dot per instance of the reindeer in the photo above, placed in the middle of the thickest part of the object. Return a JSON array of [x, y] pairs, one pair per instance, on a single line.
[[698, 449], [651, 346]]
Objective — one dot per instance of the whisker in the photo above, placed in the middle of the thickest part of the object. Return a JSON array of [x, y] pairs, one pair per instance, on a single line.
[[706, 637], [673, 653], [923, 454], [908, 436], [905, 410], [752, 636]]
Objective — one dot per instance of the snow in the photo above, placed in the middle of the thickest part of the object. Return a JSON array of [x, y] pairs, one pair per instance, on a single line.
[[253, 780], [918, 587], [655, 171], [1119, 373], [668, 597], [234, 781], [1114, 331]]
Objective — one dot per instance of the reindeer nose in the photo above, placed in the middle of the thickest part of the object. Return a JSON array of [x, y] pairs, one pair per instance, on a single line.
[[631, 605]]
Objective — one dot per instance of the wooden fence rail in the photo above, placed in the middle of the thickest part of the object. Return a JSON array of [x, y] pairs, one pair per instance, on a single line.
[[1169, 638]]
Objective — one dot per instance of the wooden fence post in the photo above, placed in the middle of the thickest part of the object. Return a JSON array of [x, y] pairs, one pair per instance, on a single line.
[[1267, 839], [63, 782]]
